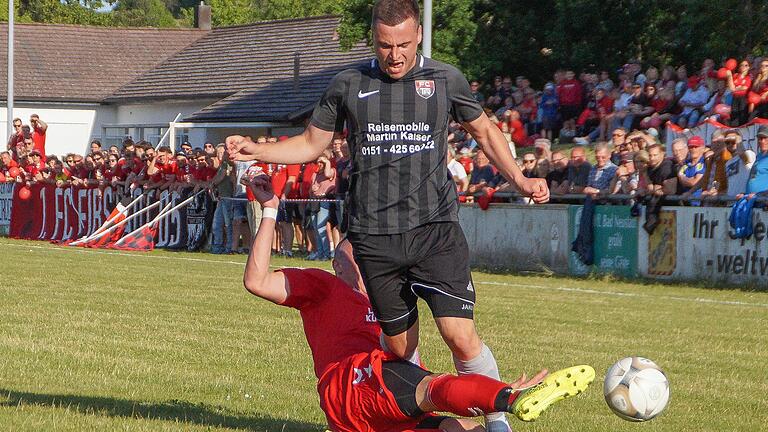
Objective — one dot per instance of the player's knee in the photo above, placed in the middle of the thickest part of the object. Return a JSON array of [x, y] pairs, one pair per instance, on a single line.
[[464, 344]]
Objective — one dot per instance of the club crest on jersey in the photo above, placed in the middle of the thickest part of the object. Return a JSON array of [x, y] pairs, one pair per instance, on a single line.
[[425, 88]]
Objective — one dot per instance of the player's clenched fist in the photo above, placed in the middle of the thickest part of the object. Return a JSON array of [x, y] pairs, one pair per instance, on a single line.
[[535, 188], [241, 148], [261, 187]]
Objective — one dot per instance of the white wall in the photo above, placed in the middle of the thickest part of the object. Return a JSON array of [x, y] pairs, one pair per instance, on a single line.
[[70, 127], [517, 237]]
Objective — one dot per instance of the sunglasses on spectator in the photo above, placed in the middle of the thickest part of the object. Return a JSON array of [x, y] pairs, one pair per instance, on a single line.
[[209, 146], [96, 158], [618, 134], [558, 160], [17, 125], [529, 160]]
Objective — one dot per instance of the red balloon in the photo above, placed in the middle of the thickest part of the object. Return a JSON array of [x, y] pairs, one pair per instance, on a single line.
[[722, 73], [754, 98], [14, 172], [25, 193], [2, 177], [731, 64]]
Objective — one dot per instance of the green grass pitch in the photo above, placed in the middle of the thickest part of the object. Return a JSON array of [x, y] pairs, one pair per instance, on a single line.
[[96, 340]]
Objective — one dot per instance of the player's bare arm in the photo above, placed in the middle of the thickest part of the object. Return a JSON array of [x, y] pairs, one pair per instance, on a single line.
[[495, 146], [302, 148], [258, 279]]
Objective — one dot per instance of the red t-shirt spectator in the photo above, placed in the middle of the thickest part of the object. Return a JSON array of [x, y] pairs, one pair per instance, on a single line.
[[739, 81], [163, 171], [569, 92], [280, 177], [518, 132], [305, 188], [38, 136]]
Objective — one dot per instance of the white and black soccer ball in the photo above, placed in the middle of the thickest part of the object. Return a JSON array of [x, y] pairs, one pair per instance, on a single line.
[[636, 389]]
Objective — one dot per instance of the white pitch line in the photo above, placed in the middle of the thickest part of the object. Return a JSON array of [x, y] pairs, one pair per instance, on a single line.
[[623, 294], [702, 300]]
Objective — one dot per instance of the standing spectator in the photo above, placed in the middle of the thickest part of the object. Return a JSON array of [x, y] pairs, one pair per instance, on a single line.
[[240, 223], [343, 168], [758, 178], [17, 137], [186, 148], [95, 146], [739, 84], [549, 108], [605, 83], [601, 175], [39, 128], [559, 172], [210, 150], [223, 189], [738, 168], [569, 93], [323, 186], [692, 171]]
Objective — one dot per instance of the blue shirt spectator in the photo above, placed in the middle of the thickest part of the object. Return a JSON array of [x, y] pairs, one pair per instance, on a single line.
[[758, 176]]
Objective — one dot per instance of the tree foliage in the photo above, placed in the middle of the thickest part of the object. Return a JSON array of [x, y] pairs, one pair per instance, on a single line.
[[483, 37]]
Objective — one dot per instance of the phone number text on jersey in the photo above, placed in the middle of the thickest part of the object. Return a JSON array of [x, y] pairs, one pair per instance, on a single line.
[[397, 148]]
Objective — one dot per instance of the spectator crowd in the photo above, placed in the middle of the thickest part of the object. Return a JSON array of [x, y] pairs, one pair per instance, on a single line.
[[620, 120]]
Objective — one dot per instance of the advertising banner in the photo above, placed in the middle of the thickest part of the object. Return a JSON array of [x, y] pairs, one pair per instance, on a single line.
[[69, 213], [6, 204], [615, 233], [694, 243]]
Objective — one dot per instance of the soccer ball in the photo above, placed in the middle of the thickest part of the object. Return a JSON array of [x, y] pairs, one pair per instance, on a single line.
[[636, 389]]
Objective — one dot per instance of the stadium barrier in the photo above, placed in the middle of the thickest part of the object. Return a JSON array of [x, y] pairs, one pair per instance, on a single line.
[[61, 214], [689, 243]]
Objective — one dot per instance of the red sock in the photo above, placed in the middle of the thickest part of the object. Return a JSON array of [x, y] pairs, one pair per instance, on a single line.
[[463, 395]]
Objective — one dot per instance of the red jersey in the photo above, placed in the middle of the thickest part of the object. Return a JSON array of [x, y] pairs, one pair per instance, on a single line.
[[164, 171], [518, 134], [739, 81], [280, 174], [343, 335], [305, 184], [38, 136], [203, 173], [569, 92]]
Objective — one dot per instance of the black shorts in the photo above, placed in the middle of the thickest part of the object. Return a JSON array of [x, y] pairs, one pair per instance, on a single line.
[[402, 378], [293, 212], [569, 112], [431, 262]]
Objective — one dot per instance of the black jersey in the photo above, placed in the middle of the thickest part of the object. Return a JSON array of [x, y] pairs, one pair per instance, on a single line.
[[397, 138]]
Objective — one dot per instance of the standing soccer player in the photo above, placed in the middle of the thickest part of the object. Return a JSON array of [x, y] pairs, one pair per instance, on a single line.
[[403, 209]]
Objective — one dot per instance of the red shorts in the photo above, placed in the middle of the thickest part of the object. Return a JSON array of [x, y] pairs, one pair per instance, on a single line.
[[355, 399]]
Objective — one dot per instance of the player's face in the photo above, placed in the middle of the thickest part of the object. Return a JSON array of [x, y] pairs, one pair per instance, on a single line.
[[396, 46], [345, 267]]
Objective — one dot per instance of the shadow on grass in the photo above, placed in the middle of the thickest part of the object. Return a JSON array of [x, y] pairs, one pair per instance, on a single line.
[[174, 410]]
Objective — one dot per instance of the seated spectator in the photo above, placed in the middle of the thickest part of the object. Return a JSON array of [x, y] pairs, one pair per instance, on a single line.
[[739, 83], [758, 181], [578, 173], [738, 168], [760, 87], [692, 103], [715, 182], [483, 174], [601, 175], [529, 165], [626, 180], [665, 109], [657, 173], [594, 118], [721, 97], [543, 155], [692, 170], [559, 172], [457, 172]]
